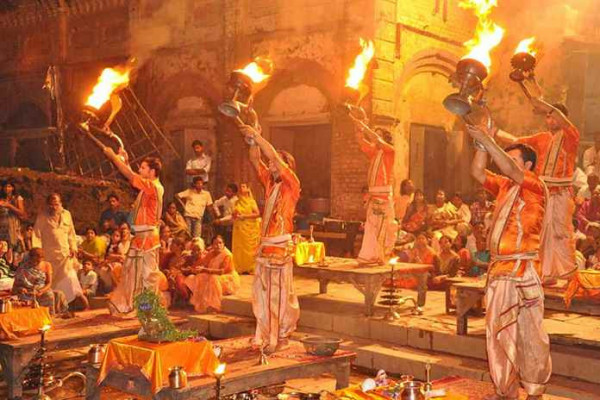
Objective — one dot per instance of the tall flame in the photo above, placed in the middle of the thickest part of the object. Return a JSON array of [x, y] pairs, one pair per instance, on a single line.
[[361, 62], [525, 46], [110, 80], [487, 33], [257, 70], [393, 261]]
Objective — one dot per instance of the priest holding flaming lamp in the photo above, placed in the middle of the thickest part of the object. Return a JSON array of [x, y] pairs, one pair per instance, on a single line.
[[274, 302], [380, 225]]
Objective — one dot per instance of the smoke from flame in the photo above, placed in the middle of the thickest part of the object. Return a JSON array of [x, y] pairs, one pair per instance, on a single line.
[[525, 46], [487, 33], [258, 70], [361, 62], [110, 80]]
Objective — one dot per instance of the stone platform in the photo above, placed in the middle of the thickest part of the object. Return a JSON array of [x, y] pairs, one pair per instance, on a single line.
[[406, 345]]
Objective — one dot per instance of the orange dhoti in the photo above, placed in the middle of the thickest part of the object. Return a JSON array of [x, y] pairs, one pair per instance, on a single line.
[[518, 347], [274, 301], [380, 228]]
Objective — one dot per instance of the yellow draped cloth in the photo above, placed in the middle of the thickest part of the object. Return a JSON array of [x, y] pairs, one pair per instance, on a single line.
[[309, 252], [23, 322], [584, 284], [155, 359], [246, 235]]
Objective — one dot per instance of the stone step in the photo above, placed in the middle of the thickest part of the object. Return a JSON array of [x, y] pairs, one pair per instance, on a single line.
[[570, 359], [400, 359]]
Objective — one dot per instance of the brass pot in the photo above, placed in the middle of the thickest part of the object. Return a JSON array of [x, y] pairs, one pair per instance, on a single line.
[[177, 378], [412, 390], [96, 354]]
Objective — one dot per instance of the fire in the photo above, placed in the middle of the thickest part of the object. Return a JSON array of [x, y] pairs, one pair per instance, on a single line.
[[220, 370], [487, 33], [525, 46], [393, 261], [361, 62], [258, 70], [110, 80]]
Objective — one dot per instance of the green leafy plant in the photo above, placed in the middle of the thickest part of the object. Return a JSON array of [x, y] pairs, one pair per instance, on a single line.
[[153, 318]]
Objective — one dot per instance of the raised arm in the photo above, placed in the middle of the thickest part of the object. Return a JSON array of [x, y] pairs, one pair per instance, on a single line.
[[506, 164], [123, 168], [264, 146], [534, 91]]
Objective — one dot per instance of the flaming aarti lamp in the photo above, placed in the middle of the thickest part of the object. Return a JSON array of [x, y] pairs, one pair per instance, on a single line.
[[522, 62], [219, 374], [242, 86], [469, 77]]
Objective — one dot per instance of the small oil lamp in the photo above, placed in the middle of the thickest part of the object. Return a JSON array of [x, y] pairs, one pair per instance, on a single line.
[[523, 61], [469, 76], [219, 373]]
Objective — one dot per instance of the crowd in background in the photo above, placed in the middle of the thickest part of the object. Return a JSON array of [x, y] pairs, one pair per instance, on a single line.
[[447, 232]]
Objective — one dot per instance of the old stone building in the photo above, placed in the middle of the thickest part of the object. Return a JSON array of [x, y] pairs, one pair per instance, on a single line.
[[186, 50]]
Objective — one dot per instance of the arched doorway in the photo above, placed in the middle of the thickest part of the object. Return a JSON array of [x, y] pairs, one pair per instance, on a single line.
[[298, 121]]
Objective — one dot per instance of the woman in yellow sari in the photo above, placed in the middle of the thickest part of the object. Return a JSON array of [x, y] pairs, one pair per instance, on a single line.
[[246, 231]]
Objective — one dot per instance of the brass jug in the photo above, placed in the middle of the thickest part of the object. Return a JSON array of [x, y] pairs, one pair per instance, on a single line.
[[412, 390], [177, 378], [96, 354]]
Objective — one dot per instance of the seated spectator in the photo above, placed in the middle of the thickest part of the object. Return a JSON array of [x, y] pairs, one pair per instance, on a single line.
[[88, 279], [6, 265], [442, 218], [125, 230], [594, 260], [481, 258], [174, 266], [462, 209], [33, 282], [477, 231], [197, 250], [481, 207], [175, 221], [407, 191], [464, 255], [585, 193], [165, 239], [422, 253], [106, 229], [580, 260], [447, 265], [93, 247], [588, 214], [113, 212], [28, 237], [109, 272], [215, 277], [416, 215]]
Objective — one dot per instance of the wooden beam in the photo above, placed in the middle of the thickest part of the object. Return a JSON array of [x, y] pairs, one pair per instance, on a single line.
[[28, 133]]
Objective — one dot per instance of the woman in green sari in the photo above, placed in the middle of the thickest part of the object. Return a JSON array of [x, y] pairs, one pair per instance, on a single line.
[[246, 231]]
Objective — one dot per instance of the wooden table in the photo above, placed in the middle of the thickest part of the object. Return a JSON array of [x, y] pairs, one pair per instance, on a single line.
[[368, 280], [88, 327], [470, 295], [243, 373]]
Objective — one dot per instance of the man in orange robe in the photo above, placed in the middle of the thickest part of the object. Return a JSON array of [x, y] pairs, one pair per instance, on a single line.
[[517, 345], [380, 226], [556, 149], [140, 270], [274, 301]]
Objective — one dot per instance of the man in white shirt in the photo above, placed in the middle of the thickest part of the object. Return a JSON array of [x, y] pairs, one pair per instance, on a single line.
[[200, 165], [586, 191], [462, 210], [195, 201], [224, 211], [591, 157]]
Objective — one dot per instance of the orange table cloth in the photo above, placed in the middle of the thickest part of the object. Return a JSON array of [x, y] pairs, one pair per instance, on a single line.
[[585, 284], [155, 359], [23, 322], [309, 252]]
